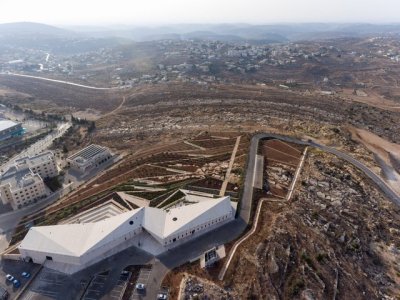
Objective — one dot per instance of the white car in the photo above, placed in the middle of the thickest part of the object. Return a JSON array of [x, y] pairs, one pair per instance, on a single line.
[[140, 286], [162, 296], [10, 277]]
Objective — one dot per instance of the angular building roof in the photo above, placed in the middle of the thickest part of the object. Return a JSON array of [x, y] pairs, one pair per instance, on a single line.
[[79, 239], [185, 217]]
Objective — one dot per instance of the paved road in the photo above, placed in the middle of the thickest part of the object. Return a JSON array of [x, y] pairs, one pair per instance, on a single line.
[[370, 174], [38, 146], [247, 196], [193, 249], [62, 81], [9, 221], [189, 251], [248, 191]]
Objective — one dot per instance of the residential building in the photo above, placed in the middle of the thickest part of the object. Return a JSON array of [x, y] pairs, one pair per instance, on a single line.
[[89, 158], [43, 164], [20, 187]]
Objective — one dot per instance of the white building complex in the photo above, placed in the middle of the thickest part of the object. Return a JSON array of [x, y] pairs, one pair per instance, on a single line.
[[22, 184], [72, 247], [89, 158]]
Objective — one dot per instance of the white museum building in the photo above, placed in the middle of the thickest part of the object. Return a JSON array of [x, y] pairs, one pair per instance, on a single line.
[[72, 247]]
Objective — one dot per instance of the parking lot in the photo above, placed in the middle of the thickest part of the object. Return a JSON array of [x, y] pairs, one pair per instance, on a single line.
[[47, 285], [15, 268], [97, 288], [119, 289], [144, 276]]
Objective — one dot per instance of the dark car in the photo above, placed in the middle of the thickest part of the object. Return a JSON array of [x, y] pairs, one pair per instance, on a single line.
[[16, 283]]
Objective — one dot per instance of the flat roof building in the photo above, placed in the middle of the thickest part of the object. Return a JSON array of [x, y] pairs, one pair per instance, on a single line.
[[73, 247], [10, 129], [21, 187], [43, 164], [22, 184], [89, 158]]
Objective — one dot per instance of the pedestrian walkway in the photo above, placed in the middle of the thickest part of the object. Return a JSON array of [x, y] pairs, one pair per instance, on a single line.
[[228, 172]]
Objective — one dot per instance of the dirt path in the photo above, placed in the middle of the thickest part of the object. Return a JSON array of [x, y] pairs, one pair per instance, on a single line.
[[296, 176], [381, 148], [117, 109], [375, 143], [247, 236], [373, 99], [228, 172]]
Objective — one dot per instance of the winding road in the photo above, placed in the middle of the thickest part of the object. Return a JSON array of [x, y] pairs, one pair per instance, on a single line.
[[247, 198], [248, 189], [194, 248], [392, 195], [188, 251]]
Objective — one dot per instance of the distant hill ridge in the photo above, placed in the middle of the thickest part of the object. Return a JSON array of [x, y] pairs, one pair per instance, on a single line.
[[88, 38], [32, 28]]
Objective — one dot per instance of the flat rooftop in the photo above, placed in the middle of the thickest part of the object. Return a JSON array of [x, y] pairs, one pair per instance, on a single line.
[[19, 178], [88, 152], [39, 158], [5, 124]]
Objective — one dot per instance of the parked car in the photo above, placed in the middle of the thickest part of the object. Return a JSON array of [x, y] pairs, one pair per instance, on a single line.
[[162, 296], [140, 286], [16, 283], [26, 274], [124, 275], [10, 277]]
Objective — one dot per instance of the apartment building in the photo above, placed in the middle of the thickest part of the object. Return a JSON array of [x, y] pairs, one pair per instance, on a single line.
[[22, 184], [43, 164], [21, 187]]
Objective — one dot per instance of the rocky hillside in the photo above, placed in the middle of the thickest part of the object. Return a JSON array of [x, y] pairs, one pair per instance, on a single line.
[[338, 238]]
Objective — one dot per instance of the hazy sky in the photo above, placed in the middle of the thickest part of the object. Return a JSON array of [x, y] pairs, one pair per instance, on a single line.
[[60, 12]]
